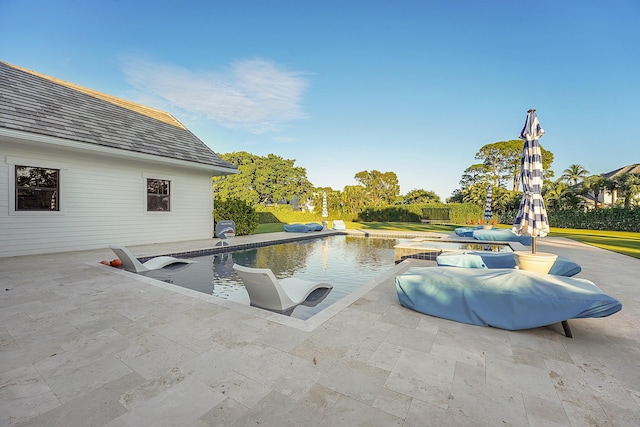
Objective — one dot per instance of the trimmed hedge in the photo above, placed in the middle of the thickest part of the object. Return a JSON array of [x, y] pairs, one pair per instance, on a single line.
[[612, 219], [455, 213]]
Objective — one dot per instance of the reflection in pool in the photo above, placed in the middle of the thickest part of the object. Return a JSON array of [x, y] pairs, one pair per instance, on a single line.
[[346, 262]]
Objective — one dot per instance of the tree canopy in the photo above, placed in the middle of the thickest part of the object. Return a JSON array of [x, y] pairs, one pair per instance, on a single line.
[[262, 179], [501, 164], [381, 188]]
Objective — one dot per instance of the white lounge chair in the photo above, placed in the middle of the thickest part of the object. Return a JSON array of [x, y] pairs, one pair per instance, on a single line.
[[265, 291], [131, 263], [338, 224]]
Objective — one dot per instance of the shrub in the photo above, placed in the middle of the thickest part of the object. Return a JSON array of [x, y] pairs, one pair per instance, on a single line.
[[238, 211]]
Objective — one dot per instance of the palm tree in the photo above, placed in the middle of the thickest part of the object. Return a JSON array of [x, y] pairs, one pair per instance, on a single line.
[[594, 184], [574, 174], [629, 187], [612, 185]]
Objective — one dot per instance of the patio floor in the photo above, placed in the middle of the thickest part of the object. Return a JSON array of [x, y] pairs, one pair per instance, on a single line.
[[84, 344]]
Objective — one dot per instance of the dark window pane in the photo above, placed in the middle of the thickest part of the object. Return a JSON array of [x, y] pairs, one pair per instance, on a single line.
[[158, 195], [37, 189]]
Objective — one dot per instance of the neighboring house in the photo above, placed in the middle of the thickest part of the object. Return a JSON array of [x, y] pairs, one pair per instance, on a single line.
[[81, 170], [606, 197]]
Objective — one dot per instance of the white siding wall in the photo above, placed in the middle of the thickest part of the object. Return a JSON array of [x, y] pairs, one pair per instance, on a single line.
[[102, 201]]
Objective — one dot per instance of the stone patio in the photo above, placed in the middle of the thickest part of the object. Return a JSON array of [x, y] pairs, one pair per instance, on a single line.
[[84, 344]]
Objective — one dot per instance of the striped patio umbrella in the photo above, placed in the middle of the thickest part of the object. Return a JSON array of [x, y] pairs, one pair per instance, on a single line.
[[531, 219], [488, 213], [325, 213]]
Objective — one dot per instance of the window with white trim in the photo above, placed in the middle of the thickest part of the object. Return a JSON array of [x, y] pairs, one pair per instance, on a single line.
[[158, 195], [37, 189]]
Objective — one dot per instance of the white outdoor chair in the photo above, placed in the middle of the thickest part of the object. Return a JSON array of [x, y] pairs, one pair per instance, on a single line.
[[131, 263], [265, 291]]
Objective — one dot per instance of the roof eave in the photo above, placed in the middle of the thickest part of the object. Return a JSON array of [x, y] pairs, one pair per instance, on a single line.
[[38, 139]]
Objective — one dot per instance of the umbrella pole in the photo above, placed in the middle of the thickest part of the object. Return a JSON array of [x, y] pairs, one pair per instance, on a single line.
[[533, 244]]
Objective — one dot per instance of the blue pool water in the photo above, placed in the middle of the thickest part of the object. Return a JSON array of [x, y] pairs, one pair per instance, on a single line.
[[344, 261]]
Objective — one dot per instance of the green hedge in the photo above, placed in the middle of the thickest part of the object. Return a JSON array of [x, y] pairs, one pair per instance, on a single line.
[[613, 219], [456, 213], [284, 214]]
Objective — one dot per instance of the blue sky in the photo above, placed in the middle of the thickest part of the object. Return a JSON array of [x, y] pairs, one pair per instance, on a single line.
[[413, 87]]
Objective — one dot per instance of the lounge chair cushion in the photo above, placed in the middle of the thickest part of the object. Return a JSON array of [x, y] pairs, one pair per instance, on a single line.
[[485, 259], [503, 298], [466, 231], [297, 228], [314, 226], [501, 235]]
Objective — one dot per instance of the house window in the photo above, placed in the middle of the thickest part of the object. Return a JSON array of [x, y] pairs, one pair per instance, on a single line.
[[37, 189], [158, 195]]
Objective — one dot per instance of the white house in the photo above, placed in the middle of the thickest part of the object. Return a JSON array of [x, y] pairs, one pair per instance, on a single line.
[[81, 170]]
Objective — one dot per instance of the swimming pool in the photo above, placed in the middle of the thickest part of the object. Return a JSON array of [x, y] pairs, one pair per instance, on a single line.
[[347, 262]]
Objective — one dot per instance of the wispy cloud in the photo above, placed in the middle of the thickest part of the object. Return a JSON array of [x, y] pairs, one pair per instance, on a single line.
[[256, 95]]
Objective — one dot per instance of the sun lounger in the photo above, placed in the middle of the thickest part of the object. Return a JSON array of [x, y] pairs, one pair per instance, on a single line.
[[297, 228], [466, 231], [501, 235], [485, 259], [131, 263], [265, 291], [503, 298]]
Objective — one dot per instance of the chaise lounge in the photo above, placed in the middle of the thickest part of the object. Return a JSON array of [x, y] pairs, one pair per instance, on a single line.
[[266, 291], [503, 298], [131, 263]]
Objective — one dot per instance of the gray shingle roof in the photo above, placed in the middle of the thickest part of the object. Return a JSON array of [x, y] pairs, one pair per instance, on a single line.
[[33, 102], [621, 171]]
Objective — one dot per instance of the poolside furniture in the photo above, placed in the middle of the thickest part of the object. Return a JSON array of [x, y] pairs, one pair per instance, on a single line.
[[485, 259], [131, 263], [265, 291], [503, 298], [466, 231], [297, 228], [225, 230], [501, 235], [314, 226], [338, 224], [303, 228]]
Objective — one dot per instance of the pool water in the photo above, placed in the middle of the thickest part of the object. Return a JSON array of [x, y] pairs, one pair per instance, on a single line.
[[346, 262]]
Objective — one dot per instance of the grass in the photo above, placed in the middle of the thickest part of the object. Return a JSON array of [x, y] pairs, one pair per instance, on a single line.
[[622, 242]]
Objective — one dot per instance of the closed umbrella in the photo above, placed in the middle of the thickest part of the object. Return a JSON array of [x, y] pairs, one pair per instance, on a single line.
[[325, 213], [531, 219], [488, 213]]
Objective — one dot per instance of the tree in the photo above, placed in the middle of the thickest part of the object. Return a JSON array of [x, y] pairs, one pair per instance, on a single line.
[[475, 174], [380, 188], [263, 179], [629, 187], [421, 196], [503, 160], [595, 185], [353, 199], [574, 174]]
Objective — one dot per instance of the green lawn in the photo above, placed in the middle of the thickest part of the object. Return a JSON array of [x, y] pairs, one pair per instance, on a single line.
[[623, 242]]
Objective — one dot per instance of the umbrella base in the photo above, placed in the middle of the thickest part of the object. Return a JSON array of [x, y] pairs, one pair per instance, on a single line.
[[540, 262]]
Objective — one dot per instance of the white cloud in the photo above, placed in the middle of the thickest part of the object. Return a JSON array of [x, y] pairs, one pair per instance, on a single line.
[[256, 95]]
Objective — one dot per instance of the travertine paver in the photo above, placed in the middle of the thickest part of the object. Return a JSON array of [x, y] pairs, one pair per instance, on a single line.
[[83, 344]]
